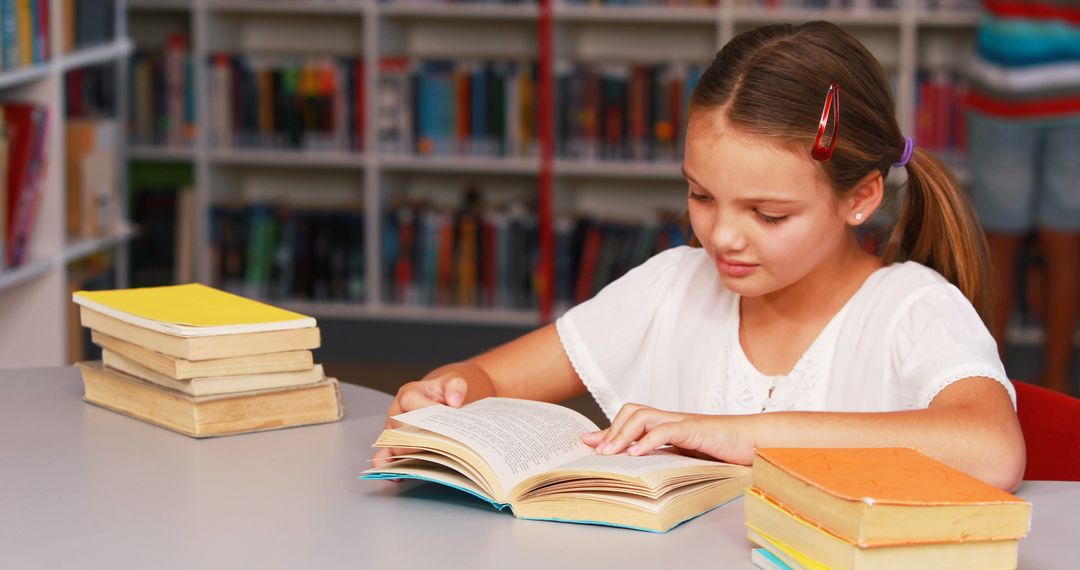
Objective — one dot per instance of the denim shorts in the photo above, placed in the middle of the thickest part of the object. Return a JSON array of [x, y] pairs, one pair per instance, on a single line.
[[1024, 175]]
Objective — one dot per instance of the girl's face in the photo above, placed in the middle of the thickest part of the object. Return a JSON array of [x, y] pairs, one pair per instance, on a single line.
[[765, 213]]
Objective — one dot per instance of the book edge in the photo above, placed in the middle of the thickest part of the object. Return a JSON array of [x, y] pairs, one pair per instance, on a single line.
[[1014, 500], [193, 331]]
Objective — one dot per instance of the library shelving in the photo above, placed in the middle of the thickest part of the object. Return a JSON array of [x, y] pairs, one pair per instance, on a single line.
[[912, 38], [72, 39]]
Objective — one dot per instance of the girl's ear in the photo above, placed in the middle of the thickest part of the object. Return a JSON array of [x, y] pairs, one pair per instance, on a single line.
[[864, 200]]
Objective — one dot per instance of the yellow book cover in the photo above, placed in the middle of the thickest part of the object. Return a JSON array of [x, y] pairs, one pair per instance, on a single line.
[[25, 33], [191, 310]]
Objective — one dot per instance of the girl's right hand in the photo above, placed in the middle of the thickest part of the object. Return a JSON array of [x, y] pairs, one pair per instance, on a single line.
[[449, 389]]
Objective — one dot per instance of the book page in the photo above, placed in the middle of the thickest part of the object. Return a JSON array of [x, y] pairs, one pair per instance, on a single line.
[[636, 466], [518, 438]]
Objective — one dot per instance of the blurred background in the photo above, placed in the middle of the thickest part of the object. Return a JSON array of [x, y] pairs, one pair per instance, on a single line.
[[385, 166]]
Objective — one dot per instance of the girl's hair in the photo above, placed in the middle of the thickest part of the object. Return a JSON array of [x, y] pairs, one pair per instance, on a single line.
[[772, 82]]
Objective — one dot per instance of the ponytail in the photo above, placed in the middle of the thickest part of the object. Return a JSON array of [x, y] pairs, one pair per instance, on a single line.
[[937, 227]]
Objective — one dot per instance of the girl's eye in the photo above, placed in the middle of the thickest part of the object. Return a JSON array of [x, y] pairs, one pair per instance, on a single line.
[[699, 197], [771, 219]]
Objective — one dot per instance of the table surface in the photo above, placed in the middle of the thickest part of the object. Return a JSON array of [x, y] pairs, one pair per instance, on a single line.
[[83, 487]]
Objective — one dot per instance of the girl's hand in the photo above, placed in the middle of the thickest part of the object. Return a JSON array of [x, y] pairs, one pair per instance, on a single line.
[[640, 429], [449, 389]]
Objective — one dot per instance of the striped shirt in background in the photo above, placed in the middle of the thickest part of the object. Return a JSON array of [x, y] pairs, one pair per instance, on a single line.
[[1027, 65]]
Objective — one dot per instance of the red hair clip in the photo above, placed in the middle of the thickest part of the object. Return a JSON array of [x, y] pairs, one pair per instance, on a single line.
[[832, 103]]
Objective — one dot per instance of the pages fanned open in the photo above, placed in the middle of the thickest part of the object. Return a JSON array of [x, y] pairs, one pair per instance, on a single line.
[[528, 456]]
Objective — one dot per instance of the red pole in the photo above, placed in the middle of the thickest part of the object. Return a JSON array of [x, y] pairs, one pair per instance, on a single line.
[[545, 108]]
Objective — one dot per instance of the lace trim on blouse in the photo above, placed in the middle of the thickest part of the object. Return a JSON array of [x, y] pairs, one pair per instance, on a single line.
[[750, 391]]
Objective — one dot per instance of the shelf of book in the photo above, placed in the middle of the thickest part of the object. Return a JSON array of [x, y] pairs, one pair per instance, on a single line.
[[160, 5], [306, 159], [401, 41], [10, 78], [512, 166], [947, 18], [346, 7], [65, 187], [96, 55], [24, 273], [458, 315], [1028, 335], [150, 153], [855, 17], [644, 14], [636, 170], [459, 11], [88, 246]]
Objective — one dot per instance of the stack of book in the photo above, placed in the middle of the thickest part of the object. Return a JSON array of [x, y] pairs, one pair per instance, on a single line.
[[877, 508], [204, 362]]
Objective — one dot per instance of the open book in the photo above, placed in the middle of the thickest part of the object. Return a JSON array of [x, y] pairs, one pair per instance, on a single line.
[[528, 456]]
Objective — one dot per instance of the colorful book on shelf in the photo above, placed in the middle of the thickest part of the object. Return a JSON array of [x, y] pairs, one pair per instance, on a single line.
[[214, 415], [9, 35], [92, 198], [543, 471], [308, 103], [24, 32], [5, 148], [27, 125]]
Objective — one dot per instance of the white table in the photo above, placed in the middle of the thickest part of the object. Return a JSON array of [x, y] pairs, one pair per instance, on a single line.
[[83, 487]]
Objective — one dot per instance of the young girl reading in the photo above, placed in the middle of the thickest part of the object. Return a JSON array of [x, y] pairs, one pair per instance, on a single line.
[[779, 330]]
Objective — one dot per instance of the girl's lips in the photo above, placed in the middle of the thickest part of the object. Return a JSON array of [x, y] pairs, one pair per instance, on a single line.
[[734, 268]]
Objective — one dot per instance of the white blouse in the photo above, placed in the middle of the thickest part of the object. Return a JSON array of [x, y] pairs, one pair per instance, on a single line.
[[666, 335]]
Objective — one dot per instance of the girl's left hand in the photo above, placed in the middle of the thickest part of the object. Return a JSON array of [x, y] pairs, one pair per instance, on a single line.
[[639, 429]]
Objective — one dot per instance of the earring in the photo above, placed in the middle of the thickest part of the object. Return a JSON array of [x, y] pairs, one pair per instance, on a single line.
[[858, 216]]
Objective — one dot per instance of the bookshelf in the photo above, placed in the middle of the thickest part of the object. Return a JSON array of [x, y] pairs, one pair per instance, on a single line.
[[370, 178], [34, 295]]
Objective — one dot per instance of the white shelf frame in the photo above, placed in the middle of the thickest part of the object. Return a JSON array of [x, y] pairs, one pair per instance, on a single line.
[[725, 19], [34, 299], [86, 247], [161, 153], [24, 273]]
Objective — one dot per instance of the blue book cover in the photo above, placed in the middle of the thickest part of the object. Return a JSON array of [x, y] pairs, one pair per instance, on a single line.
[[10, 33], [478, 114], [390, 253], [430, 256]]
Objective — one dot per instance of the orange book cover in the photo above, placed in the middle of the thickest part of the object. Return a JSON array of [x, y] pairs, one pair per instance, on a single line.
[[894, 476]]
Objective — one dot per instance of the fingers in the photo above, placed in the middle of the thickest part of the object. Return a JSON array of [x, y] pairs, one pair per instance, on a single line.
[[449, 390], [416, 395], [453, 390], [593, 438], [617, 424], [631, 423], [381, 457], [444, 389], [662, 434]]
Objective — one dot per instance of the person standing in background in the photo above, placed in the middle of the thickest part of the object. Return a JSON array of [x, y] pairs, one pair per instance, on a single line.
[[1024, 156]]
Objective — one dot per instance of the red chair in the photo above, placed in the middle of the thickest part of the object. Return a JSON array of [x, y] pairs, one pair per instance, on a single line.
[[1051, 424]]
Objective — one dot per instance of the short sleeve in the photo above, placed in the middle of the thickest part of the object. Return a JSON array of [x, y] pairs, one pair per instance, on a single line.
[[941, 339], [610, 339]]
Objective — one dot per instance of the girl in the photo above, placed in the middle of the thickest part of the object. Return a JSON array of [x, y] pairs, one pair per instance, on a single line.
[[779, 330]]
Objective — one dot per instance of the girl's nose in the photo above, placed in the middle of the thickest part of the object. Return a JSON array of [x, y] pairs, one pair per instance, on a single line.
[[726, 237]]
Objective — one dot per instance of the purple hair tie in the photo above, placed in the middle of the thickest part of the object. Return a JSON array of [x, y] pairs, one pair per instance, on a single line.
[[909, 149]]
